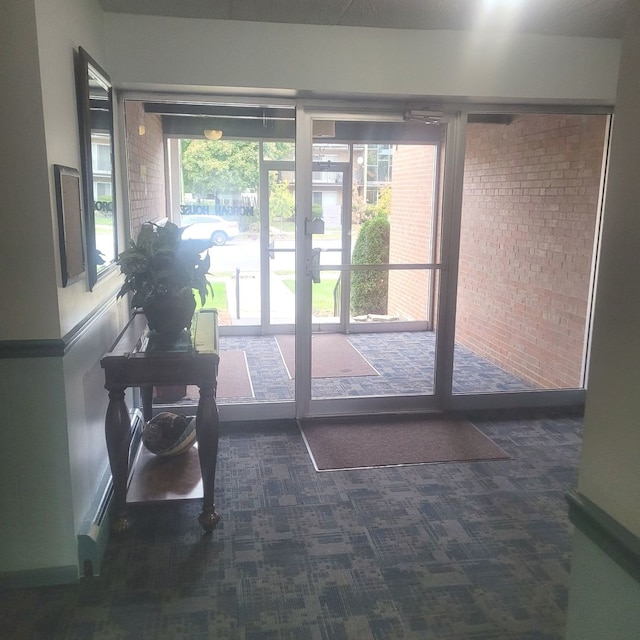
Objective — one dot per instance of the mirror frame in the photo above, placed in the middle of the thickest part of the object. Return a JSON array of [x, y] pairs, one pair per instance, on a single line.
[[85, 65]]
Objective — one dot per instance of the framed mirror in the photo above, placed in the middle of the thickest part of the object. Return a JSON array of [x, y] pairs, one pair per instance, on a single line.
[[95, 118]]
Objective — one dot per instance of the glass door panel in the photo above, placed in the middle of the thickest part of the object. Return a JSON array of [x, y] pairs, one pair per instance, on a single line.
[[222, 206], [392, 296], [531, 206], [377, 261], [280, 218], [330, 246]]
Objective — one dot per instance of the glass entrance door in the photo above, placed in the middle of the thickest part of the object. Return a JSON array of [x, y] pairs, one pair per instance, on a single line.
[[372, 234]]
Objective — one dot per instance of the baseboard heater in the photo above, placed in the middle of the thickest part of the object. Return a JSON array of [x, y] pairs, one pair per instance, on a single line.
[[93, 534]]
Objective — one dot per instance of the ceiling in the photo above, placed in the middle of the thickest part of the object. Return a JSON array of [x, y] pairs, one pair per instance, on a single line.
[[588, 18]]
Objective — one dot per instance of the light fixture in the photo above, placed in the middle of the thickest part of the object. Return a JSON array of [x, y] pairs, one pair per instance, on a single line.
[[212, 134]]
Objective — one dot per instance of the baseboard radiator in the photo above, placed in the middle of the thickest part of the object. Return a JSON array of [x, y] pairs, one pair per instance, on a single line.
[[93, 534]]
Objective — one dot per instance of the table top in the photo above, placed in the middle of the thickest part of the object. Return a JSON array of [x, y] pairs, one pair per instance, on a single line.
[[138, 340]]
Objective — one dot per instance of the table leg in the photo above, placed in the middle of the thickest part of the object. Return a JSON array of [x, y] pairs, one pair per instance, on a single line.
[[208, 433], [146, 395], [117, 434]]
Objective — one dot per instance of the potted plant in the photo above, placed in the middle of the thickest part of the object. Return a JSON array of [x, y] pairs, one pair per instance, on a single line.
[[162, 270]]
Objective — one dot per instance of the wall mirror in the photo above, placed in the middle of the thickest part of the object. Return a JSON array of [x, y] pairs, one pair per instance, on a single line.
[[95, 117]]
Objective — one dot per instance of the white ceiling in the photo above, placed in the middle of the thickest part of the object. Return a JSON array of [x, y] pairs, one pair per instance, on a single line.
[[591, 18]]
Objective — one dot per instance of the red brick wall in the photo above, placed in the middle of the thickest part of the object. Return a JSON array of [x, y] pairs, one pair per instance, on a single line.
[[410, 222], [529, 211], [145, 166]]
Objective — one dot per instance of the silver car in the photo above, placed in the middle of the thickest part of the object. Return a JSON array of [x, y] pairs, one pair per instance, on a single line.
[[213, 228]]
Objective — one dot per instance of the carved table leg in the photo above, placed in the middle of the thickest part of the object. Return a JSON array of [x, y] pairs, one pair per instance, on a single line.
[[208, 433], [117, 427]]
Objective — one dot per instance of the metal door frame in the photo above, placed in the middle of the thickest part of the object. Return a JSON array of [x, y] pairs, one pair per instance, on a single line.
[[450, 207]]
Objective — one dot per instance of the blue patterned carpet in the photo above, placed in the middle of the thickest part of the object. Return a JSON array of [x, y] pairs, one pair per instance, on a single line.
[[451, 551], [405, 361]]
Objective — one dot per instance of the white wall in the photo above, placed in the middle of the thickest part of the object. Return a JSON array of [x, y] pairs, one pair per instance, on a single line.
[[53, 407], [63, 25], [26, 250], [189, 53], [610, 469], [36, 528], [603, 600]]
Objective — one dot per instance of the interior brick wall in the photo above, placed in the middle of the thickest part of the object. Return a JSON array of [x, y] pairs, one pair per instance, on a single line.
[[410, 225], [530, 206], [145, 166]]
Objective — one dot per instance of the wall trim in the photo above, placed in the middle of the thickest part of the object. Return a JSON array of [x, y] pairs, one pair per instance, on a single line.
[[54, 347], [49, 348], [620, 544], [47, 577]]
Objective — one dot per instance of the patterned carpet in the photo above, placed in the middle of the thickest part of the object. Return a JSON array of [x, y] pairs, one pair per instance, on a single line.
[[404, 360], [454, 551]]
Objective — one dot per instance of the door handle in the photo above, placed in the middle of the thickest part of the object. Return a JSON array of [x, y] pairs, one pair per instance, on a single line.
[[315, 265]]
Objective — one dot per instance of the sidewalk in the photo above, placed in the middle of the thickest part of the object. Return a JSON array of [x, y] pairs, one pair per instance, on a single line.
[[248, 311]]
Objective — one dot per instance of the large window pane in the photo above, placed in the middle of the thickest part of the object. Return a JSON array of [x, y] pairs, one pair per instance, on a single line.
[[530, 207]]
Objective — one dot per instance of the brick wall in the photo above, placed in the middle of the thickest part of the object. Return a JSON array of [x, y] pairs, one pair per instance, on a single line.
[[410, 222], [145, 166], [530, 204]]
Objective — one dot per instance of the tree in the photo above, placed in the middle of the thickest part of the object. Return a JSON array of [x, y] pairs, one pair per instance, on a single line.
[[225, 166], [382, 207], [221, 166], [281, 201]]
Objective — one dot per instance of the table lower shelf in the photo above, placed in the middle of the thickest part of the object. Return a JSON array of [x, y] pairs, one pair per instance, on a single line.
[[156, 478]]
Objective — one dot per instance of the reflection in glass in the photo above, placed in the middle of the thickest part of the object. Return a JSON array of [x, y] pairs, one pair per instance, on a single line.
[[281, 220], [95, 114], [278, 151]]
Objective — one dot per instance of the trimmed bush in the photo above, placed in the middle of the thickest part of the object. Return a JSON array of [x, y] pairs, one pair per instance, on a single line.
[[369, 289]]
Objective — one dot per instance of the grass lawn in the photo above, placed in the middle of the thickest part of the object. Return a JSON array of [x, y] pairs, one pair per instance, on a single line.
[[321, 294], [219, 300]]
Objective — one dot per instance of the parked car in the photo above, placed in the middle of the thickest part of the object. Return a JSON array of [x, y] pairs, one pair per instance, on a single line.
[[213, 228]]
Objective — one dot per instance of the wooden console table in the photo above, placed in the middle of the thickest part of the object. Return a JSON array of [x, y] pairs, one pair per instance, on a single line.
[[139, 359]]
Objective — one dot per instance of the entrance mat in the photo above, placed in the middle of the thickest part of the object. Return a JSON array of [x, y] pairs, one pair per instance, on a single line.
[[357, 443], [332, 356], [233, 377]]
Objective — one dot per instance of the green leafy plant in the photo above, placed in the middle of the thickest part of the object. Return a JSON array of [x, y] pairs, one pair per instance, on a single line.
[[161, 263], [369, 289]]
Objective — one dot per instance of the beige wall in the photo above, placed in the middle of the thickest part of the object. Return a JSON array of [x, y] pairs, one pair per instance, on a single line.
[[27, 241], [192, 55], [610, 468], [604, 601], [53, 407]]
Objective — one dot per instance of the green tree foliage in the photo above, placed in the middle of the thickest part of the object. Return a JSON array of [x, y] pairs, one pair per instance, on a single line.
[[281, 201], [369, 289], [220, 166], [381, 208], [225, 166]]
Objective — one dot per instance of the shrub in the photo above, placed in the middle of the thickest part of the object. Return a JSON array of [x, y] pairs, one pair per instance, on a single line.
[[369, 289]]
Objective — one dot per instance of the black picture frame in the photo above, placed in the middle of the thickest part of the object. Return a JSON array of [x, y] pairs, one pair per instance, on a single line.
[[70, 223]]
